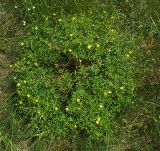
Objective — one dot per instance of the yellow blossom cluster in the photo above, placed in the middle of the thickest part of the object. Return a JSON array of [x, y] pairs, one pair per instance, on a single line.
[[98, 120]]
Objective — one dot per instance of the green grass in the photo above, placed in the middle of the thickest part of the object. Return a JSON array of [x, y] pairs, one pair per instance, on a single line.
[[135, 128]]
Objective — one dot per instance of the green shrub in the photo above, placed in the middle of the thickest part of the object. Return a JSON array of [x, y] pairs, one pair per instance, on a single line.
[[75, 73]]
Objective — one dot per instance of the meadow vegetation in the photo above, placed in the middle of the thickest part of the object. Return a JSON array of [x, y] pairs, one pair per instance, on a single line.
[[84, 75]]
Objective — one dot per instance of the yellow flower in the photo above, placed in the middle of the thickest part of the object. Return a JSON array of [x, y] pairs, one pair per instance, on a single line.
[[36, 64], [122, 88], [25, 81], [73, 18], [71, 35], [112, 30], [67, 109], [127, 55], [98, 120], [46, 18], [22, 44], [105, 93], [59, 20], [36, 28], [113, 17], [56, 108], [109, 92], [89, 46], [70, 50], [100, 106], [10, 66], [97, 45], [28, 95], [18, 84], [78, 100]]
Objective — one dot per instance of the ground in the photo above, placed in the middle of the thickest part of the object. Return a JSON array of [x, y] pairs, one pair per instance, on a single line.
[[4, 71]]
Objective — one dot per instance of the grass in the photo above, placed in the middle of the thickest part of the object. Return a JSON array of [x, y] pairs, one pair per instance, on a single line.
[[136, 128]]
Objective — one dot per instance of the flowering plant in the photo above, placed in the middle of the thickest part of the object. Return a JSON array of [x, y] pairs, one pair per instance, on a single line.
[[76, 74]]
